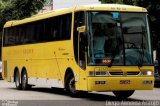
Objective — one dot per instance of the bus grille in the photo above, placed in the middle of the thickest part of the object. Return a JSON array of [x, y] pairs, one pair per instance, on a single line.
[[133, 73], [124, 73], [116, 73]]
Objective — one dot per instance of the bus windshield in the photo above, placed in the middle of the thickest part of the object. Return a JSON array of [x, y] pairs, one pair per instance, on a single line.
[[119, 38]]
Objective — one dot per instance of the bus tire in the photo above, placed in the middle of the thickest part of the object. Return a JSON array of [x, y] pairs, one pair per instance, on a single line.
[[123, 94], [70, 85], [17, 80], [24, 80]]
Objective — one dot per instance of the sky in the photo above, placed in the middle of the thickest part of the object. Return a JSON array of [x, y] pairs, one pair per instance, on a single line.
[[71, 3]]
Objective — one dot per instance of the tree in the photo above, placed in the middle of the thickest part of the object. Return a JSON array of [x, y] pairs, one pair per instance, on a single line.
[[18, 9]]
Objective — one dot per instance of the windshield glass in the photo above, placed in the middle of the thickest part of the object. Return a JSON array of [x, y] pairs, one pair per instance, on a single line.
[[136, 39], [119, 38]]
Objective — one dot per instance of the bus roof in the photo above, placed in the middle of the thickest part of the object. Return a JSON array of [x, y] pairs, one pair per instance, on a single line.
[[94, 7], [112, 7]]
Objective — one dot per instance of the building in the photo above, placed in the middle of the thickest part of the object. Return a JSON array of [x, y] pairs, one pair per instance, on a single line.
[[72, 3], [56, 4], [48, 6]]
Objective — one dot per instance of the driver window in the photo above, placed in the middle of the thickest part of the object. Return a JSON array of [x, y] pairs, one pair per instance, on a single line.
[[79, 20]]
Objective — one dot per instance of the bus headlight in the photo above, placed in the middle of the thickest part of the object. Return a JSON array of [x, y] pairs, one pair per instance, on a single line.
[[146, 73], [98, 73]]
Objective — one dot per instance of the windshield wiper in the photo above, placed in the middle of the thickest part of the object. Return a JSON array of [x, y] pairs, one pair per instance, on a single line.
[[112, 58], [115, 51]]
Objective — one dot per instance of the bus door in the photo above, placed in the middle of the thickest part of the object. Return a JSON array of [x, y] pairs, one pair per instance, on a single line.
[[79, 47], [79, 30]]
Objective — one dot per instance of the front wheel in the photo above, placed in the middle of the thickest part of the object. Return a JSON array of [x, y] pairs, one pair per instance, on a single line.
[[123, 94], [70, 85]]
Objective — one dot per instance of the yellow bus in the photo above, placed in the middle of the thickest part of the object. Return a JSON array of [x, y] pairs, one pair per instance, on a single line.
[[103, 47]]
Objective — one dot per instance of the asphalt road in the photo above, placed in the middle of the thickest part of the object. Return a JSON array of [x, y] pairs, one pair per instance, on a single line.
[[41, 96]]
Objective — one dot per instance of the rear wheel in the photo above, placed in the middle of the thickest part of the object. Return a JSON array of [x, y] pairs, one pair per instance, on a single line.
[[17, 80], [24, 80], [123, 94]]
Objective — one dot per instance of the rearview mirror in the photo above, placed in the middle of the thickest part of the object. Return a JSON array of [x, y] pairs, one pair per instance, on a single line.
[[83, 36], [81, 29]]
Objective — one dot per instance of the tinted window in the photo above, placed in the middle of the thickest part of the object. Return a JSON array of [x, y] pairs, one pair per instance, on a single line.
[[51, 29], [79, 20]]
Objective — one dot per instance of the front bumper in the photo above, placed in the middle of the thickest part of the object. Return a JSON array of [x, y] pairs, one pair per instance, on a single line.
[[120, 83]]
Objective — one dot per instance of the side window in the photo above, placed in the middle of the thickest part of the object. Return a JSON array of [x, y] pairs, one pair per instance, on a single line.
[[39, 31], [9, 37], [41, 34], [6, 36], [51, 29], [29, 33], [58, 28], [19, 33], [65, 26]]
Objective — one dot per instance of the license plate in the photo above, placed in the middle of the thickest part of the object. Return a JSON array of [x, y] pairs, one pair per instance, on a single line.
[[125, 81]]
